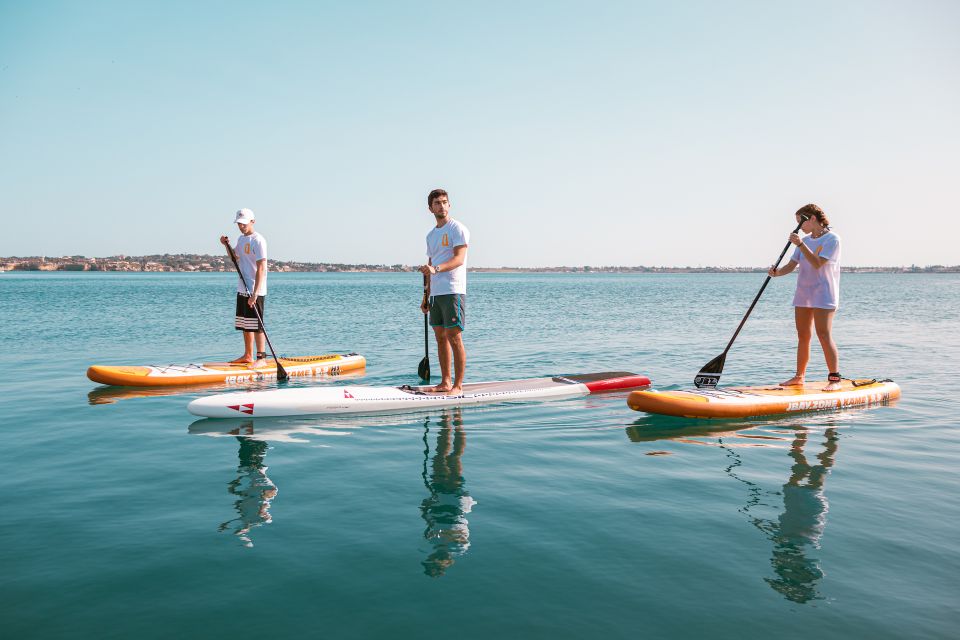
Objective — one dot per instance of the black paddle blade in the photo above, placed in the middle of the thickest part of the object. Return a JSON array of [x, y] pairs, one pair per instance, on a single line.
[[282, 375], [424, 369], [709, 375]]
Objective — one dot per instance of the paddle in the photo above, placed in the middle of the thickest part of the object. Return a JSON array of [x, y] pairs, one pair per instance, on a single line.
[[709, 375], [281, 372], [424, 369]]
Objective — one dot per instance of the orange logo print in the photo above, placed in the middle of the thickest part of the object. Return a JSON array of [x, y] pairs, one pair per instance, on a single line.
[[246, 249], [446, 241]]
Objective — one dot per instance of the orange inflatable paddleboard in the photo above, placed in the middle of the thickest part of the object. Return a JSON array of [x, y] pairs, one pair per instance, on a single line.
[[227, 372], [747, 402]]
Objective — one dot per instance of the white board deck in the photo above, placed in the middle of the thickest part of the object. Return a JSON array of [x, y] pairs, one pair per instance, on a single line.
[[341, 400]]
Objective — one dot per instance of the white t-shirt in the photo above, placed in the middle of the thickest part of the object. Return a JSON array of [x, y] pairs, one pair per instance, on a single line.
[[441, 242], [819, 288], [249, 250]]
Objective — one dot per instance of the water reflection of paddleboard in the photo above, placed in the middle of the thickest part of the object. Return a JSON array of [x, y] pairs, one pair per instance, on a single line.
[[358, 399]]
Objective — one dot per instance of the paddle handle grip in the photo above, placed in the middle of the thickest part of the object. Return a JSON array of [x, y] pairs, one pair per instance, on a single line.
[[787, 246]]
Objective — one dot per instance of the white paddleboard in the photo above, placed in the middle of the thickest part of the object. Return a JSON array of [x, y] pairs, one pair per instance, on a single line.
[[341, 400]]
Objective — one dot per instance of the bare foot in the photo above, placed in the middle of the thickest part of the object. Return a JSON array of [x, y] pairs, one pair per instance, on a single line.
[[259, 363], [443, 387], [455, 391], [795, 381], [242, 360], [832, 386]]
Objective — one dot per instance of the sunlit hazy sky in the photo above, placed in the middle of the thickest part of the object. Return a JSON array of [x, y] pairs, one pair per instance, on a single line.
[[567, 133]]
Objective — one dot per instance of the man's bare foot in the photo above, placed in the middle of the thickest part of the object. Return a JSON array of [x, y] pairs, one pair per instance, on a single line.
[[795, 381], [242, 360], [832, 386], [443, 387], [260, 363], [455, 391]]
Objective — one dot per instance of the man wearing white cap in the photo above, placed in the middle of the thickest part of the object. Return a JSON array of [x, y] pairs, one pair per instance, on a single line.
[[251, 254]]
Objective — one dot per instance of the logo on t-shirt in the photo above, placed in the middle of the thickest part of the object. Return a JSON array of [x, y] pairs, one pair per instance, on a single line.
[[246, 249], [445, 242]]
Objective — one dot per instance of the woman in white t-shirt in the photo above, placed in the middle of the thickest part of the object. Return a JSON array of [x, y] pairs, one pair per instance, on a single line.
[[818, 291]]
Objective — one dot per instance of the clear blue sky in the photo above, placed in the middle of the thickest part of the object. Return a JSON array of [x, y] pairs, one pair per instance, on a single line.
[[567, 133]]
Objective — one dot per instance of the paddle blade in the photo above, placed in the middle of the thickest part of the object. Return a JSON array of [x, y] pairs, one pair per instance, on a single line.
[[709, 375], [424, 369], [282, 375]]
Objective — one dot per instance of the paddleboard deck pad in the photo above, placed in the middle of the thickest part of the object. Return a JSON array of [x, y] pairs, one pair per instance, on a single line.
[[343, 400], [226, 372], [748, 402]]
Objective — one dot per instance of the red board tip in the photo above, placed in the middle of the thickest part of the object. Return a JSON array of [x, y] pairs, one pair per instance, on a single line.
[[616, 384]]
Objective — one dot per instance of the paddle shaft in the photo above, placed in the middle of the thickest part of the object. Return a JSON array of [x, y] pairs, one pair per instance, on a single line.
[[426, 325], [760, 293], [423, 370], [281, 372]]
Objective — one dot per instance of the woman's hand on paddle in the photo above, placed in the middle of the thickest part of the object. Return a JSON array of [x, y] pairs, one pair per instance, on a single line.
[[795, 239], [772, 272]]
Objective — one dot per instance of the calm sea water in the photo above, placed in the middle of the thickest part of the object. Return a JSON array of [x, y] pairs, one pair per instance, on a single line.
[[126, 518]]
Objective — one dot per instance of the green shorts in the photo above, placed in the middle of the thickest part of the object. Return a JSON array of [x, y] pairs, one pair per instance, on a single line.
[[448, 311]]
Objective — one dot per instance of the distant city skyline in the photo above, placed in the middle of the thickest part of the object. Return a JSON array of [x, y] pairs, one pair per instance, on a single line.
[[567, 133], [206, 262]]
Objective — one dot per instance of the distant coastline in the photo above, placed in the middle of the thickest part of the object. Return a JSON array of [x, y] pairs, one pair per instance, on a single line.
[[186, 262]]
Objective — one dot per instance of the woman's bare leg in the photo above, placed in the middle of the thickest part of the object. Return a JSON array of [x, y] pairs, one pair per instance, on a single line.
[[803, 317], [823, 321]]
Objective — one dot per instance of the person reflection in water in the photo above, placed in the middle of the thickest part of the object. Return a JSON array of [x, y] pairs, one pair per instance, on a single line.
[[797, 531], [253, 489], [800, 527], [445, 509]]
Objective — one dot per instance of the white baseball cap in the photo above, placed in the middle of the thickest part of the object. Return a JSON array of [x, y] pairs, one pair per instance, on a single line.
[[244, 216]]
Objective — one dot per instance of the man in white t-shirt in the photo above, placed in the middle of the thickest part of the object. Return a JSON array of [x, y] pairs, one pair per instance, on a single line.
[[251, 255], [446, 296]]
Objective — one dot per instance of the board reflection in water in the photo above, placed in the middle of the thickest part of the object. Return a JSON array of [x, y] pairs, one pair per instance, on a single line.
[[444, 510], [792, 517]]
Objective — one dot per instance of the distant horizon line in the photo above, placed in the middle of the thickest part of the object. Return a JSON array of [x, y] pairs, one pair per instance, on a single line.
[[191, 262]]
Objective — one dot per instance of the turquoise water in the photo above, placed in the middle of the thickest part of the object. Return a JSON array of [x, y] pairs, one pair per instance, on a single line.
[[125, 517]]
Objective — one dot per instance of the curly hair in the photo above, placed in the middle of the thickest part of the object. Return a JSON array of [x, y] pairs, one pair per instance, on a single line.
[[813, 211]]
